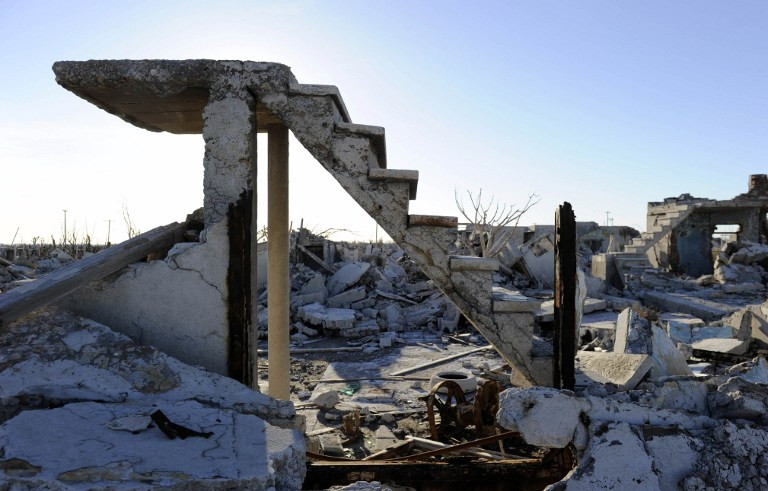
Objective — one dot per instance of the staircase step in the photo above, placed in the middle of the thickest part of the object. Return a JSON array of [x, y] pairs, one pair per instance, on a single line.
[[375, 133], [432, 221], [510, 301], [472, 263], [409, 176], [321, 91]]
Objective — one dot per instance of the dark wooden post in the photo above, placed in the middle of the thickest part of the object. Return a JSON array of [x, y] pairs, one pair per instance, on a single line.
[[565, 297]]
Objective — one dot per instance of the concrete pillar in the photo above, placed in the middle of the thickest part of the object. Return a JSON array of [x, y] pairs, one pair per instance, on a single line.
[[278, 274]]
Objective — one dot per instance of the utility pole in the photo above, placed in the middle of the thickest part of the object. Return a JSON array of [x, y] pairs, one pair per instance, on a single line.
[[607, 213], [64, 242]]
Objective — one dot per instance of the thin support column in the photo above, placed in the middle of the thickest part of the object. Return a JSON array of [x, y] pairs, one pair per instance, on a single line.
[[278, 274], [565, 297]]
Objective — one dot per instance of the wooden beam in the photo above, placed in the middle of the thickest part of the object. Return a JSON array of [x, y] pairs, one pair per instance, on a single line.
[[59, 283], [564, 376], [438, 361]]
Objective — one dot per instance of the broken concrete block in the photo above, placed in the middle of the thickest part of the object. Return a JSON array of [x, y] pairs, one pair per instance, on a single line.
[[674, 457], [759, 325], [326, 400], [679, 393], [307, 331], [594, 304], [362, 328], [624, 370], [755, 371], [620, 303], [347, 298], [615, 458], [386, 339], [419, 315], [393, 317], [705, 309], [315, 285], [669, 360], [384, 437], [339, 319], [741, 322], [739, 273], [308, 298], [680, 326], [312, 314], [709, 332], [716, 345], [706, 280], [363, 304], [346, 277], [299, 337], [333, 319], [394, 273], [740, 399], [749, 253], [633, 334], [331, 445], [544, 417]]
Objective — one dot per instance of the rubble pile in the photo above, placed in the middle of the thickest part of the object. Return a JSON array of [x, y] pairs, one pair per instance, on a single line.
[[80, 408], [741, 267], [385, 292], [669, 433], [13, 274]]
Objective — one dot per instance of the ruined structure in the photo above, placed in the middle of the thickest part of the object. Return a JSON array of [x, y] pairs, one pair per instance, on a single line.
[[197, 303], [680, 230], [685, 234]]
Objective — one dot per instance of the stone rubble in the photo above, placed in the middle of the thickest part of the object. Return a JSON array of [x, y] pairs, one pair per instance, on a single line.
[[672, 381], [76, 399]]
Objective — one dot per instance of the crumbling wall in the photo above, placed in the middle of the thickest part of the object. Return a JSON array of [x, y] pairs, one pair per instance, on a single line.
[[691, 246], [178, 304]]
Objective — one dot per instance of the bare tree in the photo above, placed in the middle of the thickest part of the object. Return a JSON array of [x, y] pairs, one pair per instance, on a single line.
[[492, 223], [130, 226]]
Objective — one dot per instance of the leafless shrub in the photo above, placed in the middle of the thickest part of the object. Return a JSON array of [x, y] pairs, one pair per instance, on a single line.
[[130, 226], [492, 223]]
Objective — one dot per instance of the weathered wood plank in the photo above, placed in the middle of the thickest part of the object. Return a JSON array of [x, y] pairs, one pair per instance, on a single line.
[[57, 284]]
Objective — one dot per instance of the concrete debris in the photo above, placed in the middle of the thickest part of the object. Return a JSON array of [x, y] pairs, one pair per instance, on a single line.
[[346, 277], [631, 445], [624, 370], [740, 399], [326, 400], [754, 371], [67, 382], [719, 345], [653, 308]]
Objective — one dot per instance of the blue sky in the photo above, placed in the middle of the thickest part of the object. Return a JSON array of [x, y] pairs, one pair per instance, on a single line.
[[604, 104]]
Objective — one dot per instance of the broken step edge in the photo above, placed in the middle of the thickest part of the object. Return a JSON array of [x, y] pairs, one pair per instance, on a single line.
[[432, 221], [508, 301], [316, 90], [472, 263], [375, 133], [399, 175]]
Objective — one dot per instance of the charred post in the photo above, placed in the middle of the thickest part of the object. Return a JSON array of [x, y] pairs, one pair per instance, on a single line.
[[565, 297]]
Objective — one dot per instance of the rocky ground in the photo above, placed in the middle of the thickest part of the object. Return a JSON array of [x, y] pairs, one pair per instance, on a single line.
[[671, 389]]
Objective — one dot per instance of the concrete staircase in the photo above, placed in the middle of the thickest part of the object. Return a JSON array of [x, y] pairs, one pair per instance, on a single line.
[[355, 154], [630, 265], [662, 225]]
